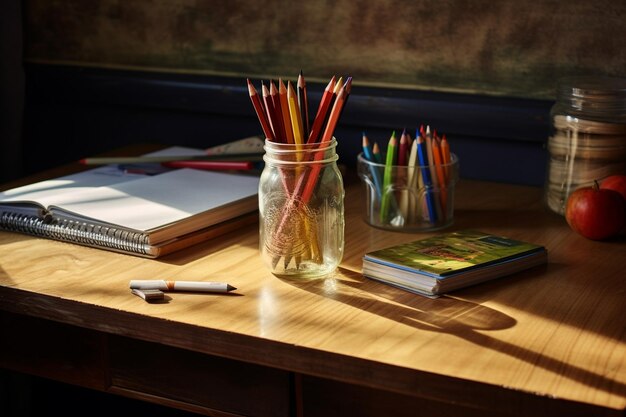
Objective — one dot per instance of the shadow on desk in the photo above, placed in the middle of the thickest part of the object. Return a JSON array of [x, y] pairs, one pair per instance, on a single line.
[[450, 315]]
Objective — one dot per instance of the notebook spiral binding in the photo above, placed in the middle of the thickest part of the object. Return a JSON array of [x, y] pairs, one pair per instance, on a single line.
[[76, 232]]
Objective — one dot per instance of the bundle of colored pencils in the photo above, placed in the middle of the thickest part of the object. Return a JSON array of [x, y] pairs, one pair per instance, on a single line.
[[283, 110], [283, 113], [423, 163], [284, 118]]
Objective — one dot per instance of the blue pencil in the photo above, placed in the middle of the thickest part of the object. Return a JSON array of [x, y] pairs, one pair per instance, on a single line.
[[426, 176], [367, 153]]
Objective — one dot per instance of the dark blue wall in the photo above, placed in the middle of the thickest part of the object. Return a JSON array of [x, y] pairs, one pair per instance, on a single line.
[[74, 112]]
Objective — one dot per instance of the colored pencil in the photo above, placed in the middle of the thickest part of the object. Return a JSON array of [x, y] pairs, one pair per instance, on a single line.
[[434, 178], [376, 153], [423, 159], [445, 152], [294, 115], [412, 181], [441, 177], [322, 111], [326, 137], [284, 107], [387, 191], [303, 103], [367, 154], [403, 148], [269, 109], [211, 165], [260, 111], [402, 175], [335, 113], [278, 113]]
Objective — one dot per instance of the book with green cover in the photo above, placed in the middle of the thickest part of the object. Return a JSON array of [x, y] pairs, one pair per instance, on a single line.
[[446, 262]]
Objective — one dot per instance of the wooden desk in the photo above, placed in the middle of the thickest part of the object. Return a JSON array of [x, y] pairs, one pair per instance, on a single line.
[[549, 341]]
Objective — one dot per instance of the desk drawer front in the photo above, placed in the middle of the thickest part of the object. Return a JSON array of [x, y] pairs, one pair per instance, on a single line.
[[201, 381]]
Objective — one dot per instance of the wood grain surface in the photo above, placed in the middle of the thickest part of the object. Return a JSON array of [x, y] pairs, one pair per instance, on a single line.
[[547, 341]]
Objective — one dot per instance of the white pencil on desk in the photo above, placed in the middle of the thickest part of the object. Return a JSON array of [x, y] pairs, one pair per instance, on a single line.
[[194, 286]]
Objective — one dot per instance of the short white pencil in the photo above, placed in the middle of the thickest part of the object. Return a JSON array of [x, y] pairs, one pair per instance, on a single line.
[[194, 286]]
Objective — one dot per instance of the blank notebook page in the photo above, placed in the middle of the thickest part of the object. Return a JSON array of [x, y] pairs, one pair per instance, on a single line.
[[154, 201]]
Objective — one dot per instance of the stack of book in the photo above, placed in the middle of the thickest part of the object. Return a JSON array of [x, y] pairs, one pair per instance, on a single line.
[[443, 263]]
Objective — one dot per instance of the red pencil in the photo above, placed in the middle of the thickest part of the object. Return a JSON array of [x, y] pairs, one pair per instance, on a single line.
[[271, 114], [260, 111], [403, 148], [328, 134], [277, 111], [320, 117], [210, 165]]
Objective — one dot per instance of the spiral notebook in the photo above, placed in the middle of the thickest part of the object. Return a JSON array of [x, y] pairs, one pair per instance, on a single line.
[[141, 215]]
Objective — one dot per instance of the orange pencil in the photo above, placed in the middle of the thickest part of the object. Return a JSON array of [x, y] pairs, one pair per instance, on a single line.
[[320, 117], [438, 158], [260, 111], [328, 133], [445, 153], [338, 87], [284, 107], [335, 113]]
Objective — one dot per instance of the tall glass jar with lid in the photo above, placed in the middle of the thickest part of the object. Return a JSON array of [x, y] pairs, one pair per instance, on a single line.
[[588, 140]]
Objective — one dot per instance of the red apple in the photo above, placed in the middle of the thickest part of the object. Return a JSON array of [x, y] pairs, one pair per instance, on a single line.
[[595, 213], [615, 183]]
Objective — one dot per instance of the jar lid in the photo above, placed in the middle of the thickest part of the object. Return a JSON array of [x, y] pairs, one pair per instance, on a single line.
[[595, 96]]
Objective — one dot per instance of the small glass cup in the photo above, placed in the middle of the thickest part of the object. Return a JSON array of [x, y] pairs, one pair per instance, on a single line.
[[415, 199], [301, 209]]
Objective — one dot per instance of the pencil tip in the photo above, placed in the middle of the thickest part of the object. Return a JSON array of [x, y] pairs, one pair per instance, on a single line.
[[230, 287], [348, 85]]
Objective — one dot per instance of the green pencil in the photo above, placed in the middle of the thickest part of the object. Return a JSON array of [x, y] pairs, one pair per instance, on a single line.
[[390, 161]]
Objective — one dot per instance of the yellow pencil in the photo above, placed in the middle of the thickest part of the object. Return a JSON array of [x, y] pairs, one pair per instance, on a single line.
[[294, 113]]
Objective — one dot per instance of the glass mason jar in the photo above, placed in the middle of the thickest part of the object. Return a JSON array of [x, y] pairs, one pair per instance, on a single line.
[[588, 139], [301, 209]]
